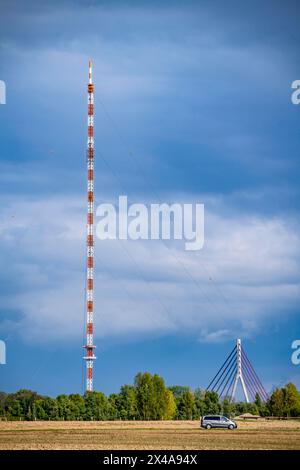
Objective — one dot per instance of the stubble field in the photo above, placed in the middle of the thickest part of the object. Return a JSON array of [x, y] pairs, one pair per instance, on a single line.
[[147, 435]]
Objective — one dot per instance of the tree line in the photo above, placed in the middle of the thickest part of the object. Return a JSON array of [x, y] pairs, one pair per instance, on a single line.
[[147, 399]]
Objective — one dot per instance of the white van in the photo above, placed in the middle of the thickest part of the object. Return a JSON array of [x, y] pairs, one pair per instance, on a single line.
[[217, 421]]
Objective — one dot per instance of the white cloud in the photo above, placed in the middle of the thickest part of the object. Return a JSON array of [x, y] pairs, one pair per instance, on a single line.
[[247, 274]]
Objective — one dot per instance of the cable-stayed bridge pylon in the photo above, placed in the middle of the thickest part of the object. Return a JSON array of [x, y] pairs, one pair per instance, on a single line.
[[238, 368]]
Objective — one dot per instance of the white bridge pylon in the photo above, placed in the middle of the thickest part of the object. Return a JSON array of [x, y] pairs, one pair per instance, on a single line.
[[239, 373], [238, 367]]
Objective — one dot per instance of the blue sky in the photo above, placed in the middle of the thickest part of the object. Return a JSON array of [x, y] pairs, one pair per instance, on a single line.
[[193, 104]]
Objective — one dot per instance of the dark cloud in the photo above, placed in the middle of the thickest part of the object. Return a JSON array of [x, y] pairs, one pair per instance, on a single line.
[[192, 103]]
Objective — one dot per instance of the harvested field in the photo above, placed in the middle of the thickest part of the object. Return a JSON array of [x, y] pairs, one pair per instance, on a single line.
[[147, 435]]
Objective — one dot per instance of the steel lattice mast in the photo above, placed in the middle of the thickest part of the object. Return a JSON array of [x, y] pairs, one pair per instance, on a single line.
[[89, 287]]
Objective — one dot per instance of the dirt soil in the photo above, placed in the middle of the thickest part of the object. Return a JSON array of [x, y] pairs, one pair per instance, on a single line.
[[161, 435]]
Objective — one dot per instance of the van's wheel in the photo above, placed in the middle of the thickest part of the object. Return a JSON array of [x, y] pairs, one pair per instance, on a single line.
[[230, 426], [208, 426]]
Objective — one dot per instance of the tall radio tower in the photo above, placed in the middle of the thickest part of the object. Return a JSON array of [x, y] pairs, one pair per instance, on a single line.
[[89, 287]]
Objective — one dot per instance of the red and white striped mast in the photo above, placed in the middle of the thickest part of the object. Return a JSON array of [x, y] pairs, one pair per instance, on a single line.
[[89, 346]]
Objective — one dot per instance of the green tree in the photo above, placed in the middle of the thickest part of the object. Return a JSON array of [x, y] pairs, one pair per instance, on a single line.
[[13, 409], [276, 403], [26, 398], [96, 406], [199, 403], [179, 390], [159, 397], [261, 406], [228, 408], [128, 402], [77, 406], [3, 397], [147, 399], [185, 405], [114, 406], [211, 403], [144, 395], [38, 410], [151, 397], [50, 406], [258, 402], [170, 405], [291, 400], [64, 410]]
